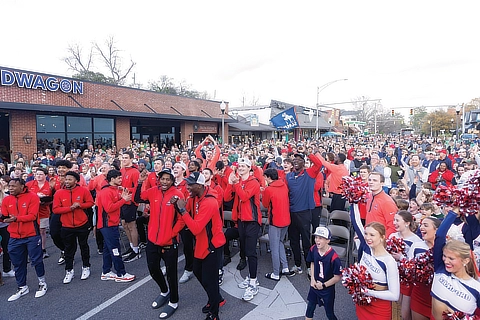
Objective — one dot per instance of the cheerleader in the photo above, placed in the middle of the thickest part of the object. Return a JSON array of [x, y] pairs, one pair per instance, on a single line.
[[420, 300], [405, 228], [455, 286], [381, 266]]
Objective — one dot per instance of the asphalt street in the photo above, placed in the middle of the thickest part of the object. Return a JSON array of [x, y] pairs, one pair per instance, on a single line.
[[96, 299]]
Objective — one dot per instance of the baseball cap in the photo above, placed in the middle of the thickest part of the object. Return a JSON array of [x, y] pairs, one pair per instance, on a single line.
[[168, 171], [196, 178], [245, 161], [183, 165], [299, 155], [322, 232], [359, 153]]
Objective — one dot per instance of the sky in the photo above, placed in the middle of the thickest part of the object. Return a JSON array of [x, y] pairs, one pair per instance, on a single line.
[[406, 53]]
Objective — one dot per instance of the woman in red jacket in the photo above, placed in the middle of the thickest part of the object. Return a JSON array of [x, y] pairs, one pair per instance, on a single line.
[[441, 176], [275, 198]]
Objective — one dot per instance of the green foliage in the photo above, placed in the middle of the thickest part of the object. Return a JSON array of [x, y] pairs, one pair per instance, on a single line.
[[93, 76]]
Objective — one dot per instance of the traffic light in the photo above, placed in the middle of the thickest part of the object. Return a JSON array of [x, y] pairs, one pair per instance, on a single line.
[[393, 112], [411, 112]]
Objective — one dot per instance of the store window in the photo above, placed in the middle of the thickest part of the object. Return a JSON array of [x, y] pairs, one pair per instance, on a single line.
[[65, 133]]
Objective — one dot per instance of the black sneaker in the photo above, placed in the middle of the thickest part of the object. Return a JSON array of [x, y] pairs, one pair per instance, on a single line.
[[127, 253], [289, 273], [132, 257], [242, 264], [206, 308]]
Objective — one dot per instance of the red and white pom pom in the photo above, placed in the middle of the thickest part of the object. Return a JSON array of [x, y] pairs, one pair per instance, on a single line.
[[396, 245], [443, 196], [457, 315], [354, 189], [357, 280], [406, 271], [424, 268]]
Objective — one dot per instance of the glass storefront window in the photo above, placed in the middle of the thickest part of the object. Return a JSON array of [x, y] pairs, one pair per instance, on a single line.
[[50, 141], [47, 123], [78, 141], [106, 140], [79, 124], [103, 125]]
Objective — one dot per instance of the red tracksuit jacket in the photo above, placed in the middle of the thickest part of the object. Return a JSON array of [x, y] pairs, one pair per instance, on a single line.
[[275, 198], [165, 223], [109, 202], [63, 200], [246, 204], [25, 207], [206, 224]]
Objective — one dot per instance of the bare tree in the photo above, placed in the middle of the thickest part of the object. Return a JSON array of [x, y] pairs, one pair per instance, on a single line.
[[113, 61], [76, 60]]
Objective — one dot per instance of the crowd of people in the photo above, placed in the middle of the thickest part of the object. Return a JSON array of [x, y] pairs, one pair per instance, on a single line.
[[163, 197]]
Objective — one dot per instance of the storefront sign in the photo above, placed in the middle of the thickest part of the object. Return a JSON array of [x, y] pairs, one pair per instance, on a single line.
[[205, 127], [33, 81]]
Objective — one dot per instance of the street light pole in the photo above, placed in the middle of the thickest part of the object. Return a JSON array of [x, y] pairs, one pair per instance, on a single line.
[[457, 110], [223, 106], [320, 89]]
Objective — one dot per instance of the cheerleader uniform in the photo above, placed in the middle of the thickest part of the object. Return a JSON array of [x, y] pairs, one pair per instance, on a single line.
[[420, 301], [458, 294], [409, 241], [384, 272]]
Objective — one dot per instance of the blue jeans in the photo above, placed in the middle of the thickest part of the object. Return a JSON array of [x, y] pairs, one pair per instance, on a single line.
[[19, 249], [112, 254]]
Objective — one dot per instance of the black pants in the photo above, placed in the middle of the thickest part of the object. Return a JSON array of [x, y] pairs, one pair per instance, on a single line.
[[338, 202], [300, 228], [55, 231], [70, 237], [204, 269], [141, 222], [248, 235], [231, 234], [170, 255], [7, 263], [187, 240]]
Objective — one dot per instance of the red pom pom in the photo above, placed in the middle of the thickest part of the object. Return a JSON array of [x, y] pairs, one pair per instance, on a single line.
[[457, 315], [424, 268], [354, 189], [406, 271], [396, 245], [357, 280]]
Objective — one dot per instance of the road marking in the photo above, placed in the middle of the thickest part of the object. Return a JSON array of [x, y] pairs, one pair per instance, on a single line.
[[119, 296]]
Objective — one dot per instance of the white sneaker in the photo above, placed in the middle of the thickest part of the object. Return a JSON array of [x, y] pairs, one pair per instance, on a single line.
[[245, 283], [61, 260], [108, 276], [164, 270], [250, 292], [9, 274], [127, 277], [42, 290], [85, 273], [20, 293], [69, 275], [187, 275]]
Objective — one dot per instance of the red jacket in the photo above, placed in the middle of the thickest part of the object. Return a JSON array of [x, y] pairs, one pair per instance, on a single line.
[[246, 203], [25, 207], [65, 198], [275, 199], [109, 202], [222, 180], [381, 208], [165, 223], [206, 224], [317, 190], [445, 176], [130, 177], [150, 182], [45, 201], [182, 186]]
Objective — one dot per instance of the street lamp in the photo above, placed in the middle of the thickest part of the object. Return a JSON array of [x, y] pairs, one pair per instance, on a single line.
[[457, 110], [320, 89], [223, 106]]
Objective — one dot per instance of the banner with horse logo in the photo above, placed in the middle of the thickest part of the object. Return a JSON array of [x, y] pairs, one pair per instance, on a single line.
[[285, 120]]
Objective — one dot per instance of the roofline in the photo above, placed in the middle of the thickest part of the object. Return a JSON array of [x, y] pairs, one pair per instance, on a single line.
[[95, 111]]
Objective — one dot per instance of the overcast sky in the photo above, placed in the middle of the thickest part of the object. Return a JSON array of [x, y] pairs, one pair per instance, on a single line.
[[407, 53]]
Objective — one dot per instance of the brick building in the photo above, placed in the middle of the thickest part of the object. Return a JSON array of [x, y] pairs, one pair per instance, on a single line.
[[40, 111]]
